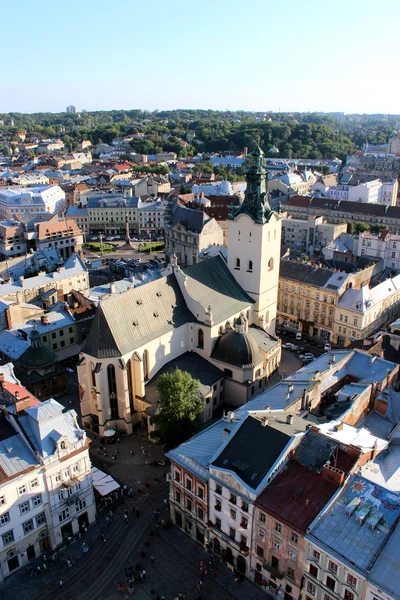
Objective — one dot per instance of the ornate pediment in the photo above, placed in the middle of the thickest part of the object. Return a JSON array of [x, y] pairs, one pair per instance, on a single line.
[[230, 480]]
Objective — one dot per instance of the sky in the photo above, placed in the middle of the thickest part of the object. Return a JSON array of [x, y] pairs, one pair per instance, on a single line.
[[261, 55]]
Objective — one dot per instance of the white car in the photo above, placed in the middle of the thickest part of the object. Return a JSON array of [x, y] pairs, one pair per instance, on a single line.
[[287, 346]]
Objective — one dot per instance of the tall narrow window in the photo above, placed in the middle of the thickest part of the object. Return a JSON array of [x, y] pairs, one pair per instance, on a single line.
[[237, 265], [130, 384], [270, 264], [146, 365], [200, 339], [112, 390], [93, 375], [250, 268]]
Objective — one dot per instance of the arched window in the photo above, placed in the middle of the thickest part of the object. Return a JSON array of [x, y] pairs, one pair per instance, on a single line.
[[200, 339], [270, 264], [130, 385], [250, 267], [146, 365], [112, 391], [237, 263]]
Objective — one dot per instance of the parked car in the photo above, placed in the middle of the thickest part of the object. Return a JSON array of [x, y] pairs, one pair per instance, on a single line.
[[299, 336], [287, 346]]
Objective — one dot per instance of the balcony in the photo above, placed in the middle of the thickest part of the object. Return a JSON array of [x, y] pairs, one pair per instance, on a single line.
[[228, 540], [273, 570]]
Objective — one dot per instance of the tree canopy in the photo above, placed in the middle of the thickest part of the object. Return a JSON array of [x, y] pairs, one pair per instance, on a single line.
[[179, 408]]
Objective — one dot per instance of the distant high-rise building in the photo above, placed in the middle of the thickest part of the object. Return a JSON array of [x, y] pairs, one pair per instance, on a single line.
[[71, 109]]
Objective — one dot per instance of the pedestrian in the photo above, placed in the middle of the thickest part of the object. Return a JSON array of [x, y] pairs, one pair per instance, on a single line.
[[152, 560], [108, 521], [85, 528], [44, 567], [60, 583], [118, 453], [131, 452], [38, 570], [103, 539], [110, 514], [69, 563], [144, 574]]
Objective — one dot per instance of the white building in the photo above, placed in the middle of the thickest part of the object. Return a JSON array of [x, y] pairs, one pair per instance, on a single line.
[[31, 202], [385, 246], [370, 192], [46, 493], [151, 216]]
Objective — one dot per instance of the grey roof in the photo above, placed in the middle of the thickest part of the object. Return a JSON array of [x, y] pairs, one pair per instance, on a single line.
[[315, 450], [72, 266], [252, 451], [264, 340], [127, 321], [192, 219], [191, 362], [237, 349], [212, 284], [304, 273], [15, 455], [385, 469], [349, 536], [46, 423], [386, 570]]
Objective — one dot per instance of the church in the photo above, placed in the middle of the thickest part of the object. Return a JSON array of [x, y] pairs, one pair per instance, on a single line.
[[214, 319]]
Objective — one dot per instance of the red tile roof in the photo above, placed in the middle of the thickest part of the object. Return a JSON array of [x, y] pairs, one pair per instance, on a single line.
[[23, 392], [296, 496]]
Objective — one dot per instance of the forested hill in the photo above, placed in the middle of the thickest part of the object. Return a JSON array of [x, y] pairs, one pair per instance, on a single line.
[[188, 132]]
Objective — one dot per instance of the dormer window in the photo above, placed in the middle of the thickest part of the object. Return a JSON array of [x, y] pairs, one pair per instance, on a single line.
[[63, 445]]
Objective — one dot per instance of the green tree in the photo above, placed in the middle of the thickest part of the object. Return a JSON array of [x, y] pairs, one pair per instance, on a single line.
[[350, 228], [360, 227], [179, 408]]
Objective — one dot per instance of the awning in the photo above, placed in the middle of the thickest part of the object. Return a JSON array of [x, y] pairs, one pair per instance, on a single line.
[[103, 484]]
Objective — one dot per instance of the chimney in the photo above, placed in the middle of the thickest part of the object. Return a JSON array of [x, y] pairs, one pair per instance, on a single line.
[[332, 475], [289, 419], [264, 421], [303, 399], [338, 426], [374, 450], [113, 287], [21, 280]]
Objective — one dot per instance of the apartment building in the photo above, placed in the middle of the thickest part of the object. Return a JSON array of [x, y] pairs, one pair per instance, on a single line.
[[152, 216], [80, 216], [72, 275], [12, 239], [275, 463], [46, 493], [385, 246], [289, 505], [346, 538], [334, 305], [32, 202], [62, 234], [308, 296], [108, 213], [309, 236], [188, 232], [369, 192], [342, 211]]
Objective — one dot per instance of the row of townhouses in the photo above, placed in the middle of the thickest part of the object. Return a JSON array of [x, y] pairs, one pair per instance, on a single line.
[[285, 489]]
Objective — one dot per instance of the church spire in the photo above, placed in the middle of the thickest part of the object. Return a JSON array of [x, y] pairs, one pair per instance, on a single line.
[[256, 200]]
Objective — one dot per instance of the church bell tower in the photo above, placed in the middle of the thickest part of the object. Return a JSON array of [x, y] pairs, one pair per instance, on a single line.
[[254, 244]]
